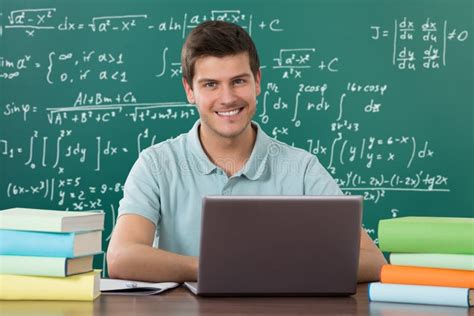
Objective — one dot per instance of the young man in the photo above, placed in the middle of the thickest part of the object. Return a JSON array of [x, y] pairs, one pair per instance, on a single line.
[[225, 153]]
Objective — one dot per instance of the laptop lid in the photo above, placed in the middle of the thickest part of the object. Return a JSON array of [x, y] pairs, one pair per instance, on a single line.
[[279, 245]]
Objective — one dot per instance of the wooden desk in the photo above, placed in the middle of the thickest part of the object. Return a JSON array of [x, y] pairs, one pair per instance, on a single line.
[[181, 302]]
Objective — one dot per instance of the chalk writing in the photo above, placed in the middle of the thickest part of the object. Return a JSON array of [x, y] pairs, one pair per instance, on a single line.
[[83, 92]]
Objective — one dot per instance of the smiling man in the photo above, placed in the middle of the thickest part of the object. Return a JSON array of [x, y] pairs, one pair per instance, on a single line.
[[156, 237]]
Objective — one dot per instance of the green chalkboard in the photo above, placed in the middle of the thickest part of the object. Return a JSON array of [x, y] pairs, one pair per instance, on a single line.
[[380, 91]]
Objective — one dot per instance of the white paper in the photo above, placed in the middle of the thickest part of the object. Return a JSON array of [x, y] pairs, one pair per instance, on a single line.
[[129, 287]]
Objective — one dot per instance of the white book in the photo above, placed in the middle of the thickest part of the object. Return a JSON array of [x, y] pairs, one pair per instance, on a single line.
[[51, 221], [434, 260]]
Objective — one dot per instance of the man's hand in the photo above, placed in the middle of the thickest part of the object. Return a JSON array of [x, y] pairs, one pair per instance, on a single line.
[[371, 260]]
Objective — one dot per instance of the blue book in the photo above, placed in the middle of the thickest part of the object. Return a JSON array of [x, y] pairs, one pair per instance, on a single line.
[[420, 294], [46, 244]]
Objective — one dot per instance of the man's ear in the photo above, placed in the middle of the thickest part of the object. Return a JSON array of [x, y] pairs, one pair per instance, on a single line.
[[258, 80], [189, 91]]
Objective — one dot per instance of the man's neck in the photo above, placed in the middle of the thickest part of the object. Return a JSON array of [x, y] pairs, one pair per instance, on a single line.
[[228, 153]]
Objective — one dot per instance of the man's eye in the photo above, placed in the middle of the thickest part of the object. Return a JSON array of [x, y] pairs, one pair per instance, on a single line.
[[209, 84], [239, 81]]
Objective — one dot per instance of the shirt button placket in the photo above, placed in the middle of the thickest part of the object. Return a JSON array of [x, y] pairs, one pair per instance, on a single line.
[[227, 190], [224, 180]]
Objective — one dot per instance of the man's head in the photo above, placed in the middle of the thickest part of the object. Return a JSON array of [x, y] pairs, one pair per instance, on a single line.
[[218, 39], [221, 75]]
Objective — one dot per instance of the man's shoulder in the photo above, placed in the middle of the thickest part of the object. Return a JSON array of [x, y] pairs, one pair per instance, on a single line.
[[172, 146], [279, 149]]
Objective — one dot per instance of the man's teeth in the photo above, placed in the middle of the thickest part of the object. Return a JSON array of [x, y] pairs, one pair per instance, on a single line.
[[229, 113]]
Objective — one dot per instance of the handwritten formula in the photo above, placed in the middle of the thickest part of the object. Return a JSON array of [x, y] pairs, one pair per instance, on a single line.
[[83, 92]]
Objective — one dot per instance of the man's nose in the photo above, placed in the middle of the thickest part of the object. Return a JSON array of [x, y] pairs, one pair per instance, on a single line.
[[228, 95]]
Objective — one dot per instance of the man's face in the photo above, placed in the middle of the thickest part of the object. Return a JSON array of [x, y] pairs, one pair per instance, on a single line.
[[225, 92]]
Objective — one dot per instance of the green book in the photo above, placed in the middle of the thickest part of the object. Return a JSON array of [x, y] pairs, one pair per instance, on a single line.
[[427, 235], [44, 266], [434, 260]]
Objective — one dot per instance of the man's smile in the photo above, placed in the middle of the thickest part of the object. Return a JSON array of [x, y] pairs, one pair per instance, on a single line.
[[230, 112]]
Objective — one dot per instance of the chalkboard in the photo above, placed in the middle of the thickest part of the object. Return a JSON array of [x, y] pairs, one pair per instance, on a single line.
[[380, 91]]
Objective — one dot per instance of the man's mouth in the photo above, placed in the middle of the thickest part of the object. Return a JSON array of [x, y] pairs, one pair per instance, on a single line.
[[230, 113]]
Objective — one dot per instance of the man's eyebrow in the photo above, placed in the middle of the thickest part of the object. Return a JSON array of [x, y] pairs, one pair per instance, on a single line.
[[206, 80], [245, 74], [242, 75]]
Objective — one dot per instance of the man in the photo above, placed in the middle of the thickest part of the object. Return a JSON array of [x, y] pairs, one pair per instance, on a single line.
[[225, 153]]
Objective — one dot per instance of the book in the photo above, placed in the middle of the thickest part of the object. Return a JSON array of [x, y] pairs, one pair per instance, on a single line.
[[427, 235], [48, 308], [79, 287], [397, 309], [43, 244], [45, 266], [419, 294], [51, 221], [427, 276], [127, 287], [433, 260]]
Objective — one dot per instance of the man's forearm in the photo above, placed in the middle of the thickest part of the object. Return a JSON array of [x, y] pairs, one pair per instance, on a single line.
[[145, 263]]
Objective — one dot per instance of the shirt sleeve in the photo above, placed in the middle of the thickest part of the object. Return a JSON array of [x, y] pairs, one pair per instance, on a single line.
[[318, 181], [141, 192]]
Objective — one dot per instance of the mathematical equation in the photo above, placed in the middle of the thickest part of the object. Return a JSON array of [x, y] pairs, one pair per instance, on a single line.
[[435, 35], [33, 21], [66, 191], [42, 153]]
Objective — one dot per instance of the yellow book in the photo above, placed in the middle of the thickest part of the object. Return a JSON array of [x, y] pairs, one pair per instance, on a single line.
[[46, 308], [79, 287]]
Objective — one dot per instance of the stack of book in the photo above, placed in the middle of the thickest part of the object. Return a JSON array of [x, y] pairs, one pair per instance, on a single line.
[[48, 255], [431, 261]]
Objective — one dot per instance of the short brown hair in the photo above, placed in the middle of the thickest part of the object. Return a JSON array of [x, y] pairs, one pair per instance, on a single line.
[[219, 39]]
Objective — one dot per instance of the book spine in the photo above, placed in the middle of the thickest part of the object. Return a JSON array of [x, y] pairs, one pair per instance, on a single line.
[[417, 294], [427, 276], [414, 237], [79, 287], [27, 243], [443, 261]]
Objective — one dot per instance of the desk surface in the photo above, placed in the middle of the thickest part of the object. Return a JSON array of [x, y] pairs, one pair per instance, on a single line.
[[181, 302]]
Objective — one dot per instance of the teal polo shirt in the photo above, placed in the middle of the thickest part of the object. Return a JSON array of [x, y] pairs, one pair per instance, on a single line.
[[168, 181]]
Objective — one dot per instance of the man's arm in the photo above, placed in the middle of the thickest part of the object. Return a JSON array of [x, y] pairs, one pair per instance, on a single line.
[[131, 255], [371, 259]]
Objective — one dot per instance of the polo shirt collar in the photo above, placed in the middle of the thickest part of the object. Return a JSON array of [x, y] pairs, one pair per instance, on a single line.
[[203, 164], [253, 168]]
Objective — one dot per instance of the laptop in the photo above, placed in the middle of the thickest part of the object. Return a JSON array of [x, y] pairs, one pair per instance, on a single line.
[[279, 246]]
